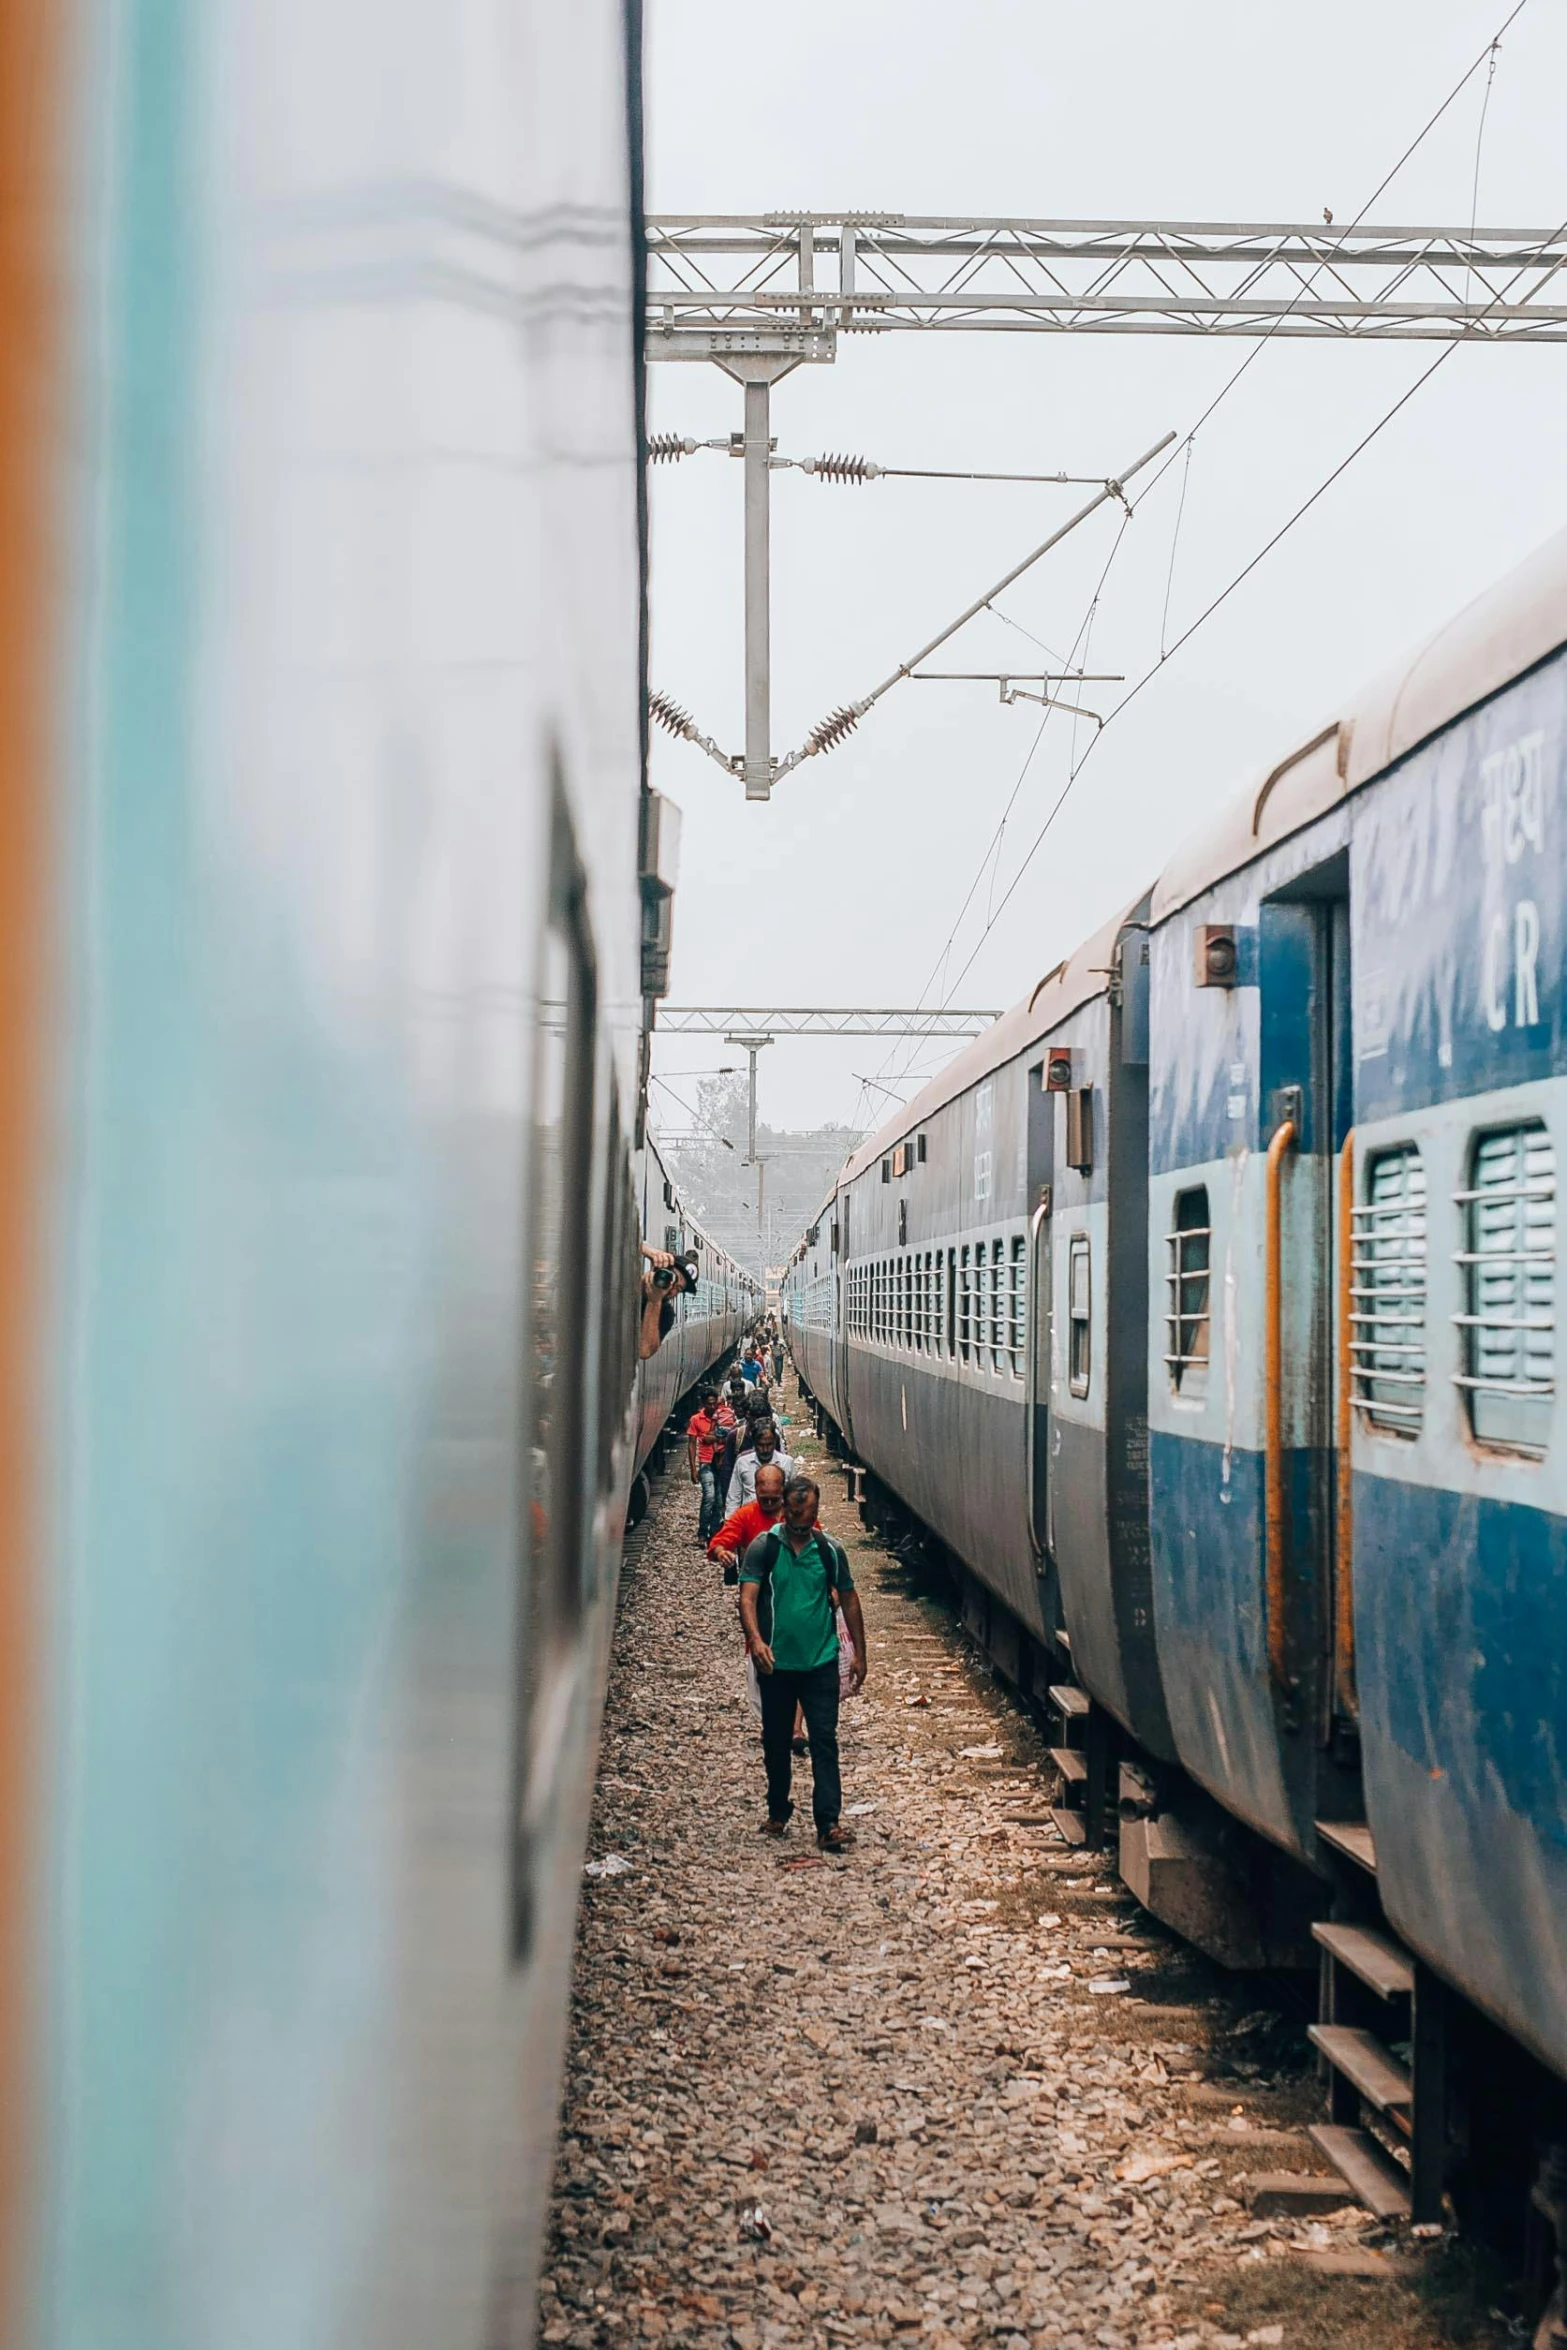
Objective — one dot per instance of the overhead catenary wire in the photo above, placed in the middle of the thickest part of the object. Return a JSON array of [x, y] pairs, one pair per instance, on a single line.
[[1183, 451], [998, 832], [841, 721], [845, 469], [1206, 614]]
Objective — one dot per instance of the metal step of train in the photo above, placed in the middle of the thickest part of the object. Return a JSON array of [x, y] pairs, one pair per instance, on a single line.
[[1381, 2033], [1081, 1757]]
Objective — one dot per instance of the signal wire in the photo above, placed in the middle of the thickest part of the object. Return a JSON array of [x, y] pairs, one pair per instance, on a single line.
[[1183, 452], [1220, 599]]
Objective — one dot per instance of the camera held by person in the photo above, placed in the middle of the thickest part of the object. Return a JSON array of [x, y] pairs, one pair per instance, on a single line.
[[665, 1279]]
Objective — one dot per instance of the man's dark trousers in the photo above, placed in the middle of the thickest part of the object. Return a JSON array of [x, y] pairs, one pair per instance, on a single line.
[[817, 1694]]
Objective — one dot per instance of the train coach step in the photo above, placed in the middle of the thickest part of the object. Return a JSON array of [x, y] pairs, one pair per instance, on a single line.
[[1366, 2065], [1071, 1762], [1352, 1838], [1371, 2175], [1376, 1958], [1072, 1824], [1288, 2194], [1070, 1702]]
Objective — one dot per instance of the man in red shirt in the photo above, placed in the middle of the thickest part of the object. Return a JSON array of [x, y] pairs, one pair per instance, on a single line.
[[706, 1431], [735, 1536], [740, 1529]]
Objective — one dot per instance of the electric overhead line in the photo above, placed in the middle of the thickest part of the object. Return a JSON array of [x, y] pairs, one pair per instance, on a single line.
[[1486, 56], [977, 274], [1202, 618]]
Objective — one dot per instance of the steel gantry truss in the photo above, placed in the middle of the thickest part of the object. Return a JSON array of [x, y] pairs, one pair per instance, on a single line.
[[778, 284], [759, 294], [758, 1023]]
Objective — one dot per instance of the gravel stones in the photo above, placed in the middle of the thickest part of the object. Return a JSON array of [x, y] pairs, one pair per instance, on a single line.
[[874, 2099]]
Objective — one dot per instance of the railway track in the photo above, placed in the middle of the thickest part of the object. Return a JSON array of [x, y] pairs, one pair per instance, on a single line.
[[897, 2097]]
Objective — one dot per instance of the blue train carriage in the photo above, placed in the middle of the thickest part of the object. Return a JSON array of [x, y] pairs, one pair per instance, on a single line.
[[810, 1310], [1459, 1489], [934, 1228], [1357, 1456], [1086, 1082], [992, 1382]]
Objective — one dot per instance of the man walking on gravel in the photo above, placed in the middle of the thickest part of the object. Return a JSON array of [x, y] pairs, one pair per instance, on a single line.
[[790, 1580], [735, 1536], [762, 1452]]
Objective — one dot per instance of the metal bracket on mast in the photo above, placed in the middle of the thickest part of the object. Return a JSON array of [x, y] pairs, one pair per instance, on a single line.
[[757, 375]]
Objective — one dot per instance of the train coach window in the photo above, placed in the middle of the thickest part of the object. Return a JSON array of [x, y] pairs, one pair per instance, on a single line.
[[938, 1302], [1187, 1322], [1388, 1294], [559, 1431], [1017, 1302], [998, 1306], [1510, 1282], [1078, 1314], [964, 1302]]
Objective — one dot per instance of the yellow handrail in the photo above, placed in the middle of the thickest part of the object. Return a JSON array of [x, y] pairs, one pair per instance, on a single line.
[[1276, 1516], [1344, 1540]]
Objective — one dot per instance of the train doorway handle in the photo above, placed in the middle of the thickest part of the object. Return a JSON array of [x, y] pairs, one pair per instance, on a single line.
[[1036, 1225], [1275, 1511], [1344, 1529]]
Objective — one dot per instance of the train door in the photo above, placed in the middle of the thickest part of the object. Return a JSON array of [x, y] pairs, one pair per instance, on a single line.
[[1307, 1093], [1041, 1174]]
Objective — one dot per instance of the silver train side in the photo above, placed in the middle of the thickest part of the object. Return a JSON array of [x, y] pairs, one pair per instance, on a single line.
[[320, 789], [708, 1325], [1204, 1313]]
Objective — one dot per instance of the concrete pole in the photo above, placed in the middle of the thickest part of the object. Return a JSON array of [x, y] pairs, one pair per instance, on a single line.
[[758, 562]]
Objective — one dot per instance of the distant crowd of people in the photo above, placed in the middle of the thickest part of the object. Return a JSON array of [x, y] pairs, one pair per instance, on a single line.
[[759, 1520]]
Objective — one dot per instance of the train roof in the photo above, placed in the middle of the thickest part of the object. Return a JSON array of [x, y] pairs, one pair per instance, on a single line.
[[1082, 976], [1503, 632]]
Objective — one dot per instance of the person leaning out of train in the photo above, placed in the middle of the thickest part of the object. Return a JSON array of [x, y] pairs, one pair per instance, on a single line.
[[665, 1279], [704, 1441], [728, 1546], [793, 1580], [762, 1451]]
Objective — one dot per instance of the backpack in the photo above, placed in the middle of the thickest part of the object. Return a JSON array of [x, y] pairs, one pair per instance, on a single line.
[[825, 1541]]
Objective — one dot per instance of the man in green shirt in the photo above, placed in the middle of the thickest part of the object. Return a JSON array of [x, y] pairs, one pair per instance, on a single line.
[[787, 1583]]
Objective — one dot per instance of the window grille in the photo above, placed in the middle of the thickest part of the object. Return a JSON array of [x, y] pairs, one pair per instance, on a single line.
[[1510, 1281], [943, 1302], [998, 1306], [964, 1295], [1188, 1320], [981, 1311], [1017, 1301], [1079, 1315], [1388, 1294]]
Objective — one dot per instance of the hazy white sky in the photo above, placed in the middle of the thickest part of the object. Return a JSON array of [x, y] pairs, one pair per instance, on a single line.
[[845, 888]]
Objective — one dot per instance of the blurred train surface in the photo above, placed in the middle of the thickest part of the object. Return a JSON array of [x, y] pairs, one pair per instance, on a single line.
[[330, 887]]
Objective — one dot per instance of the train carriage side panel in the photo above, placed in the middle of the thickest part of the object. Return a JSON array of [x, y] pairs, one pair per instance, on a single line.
[[1097, 1489], [342, 790], [1460, 1443]]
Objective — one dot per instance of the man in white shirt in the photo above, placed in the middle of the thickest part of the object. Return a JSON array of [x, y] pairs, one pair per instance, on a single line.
[[761, 1453]]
